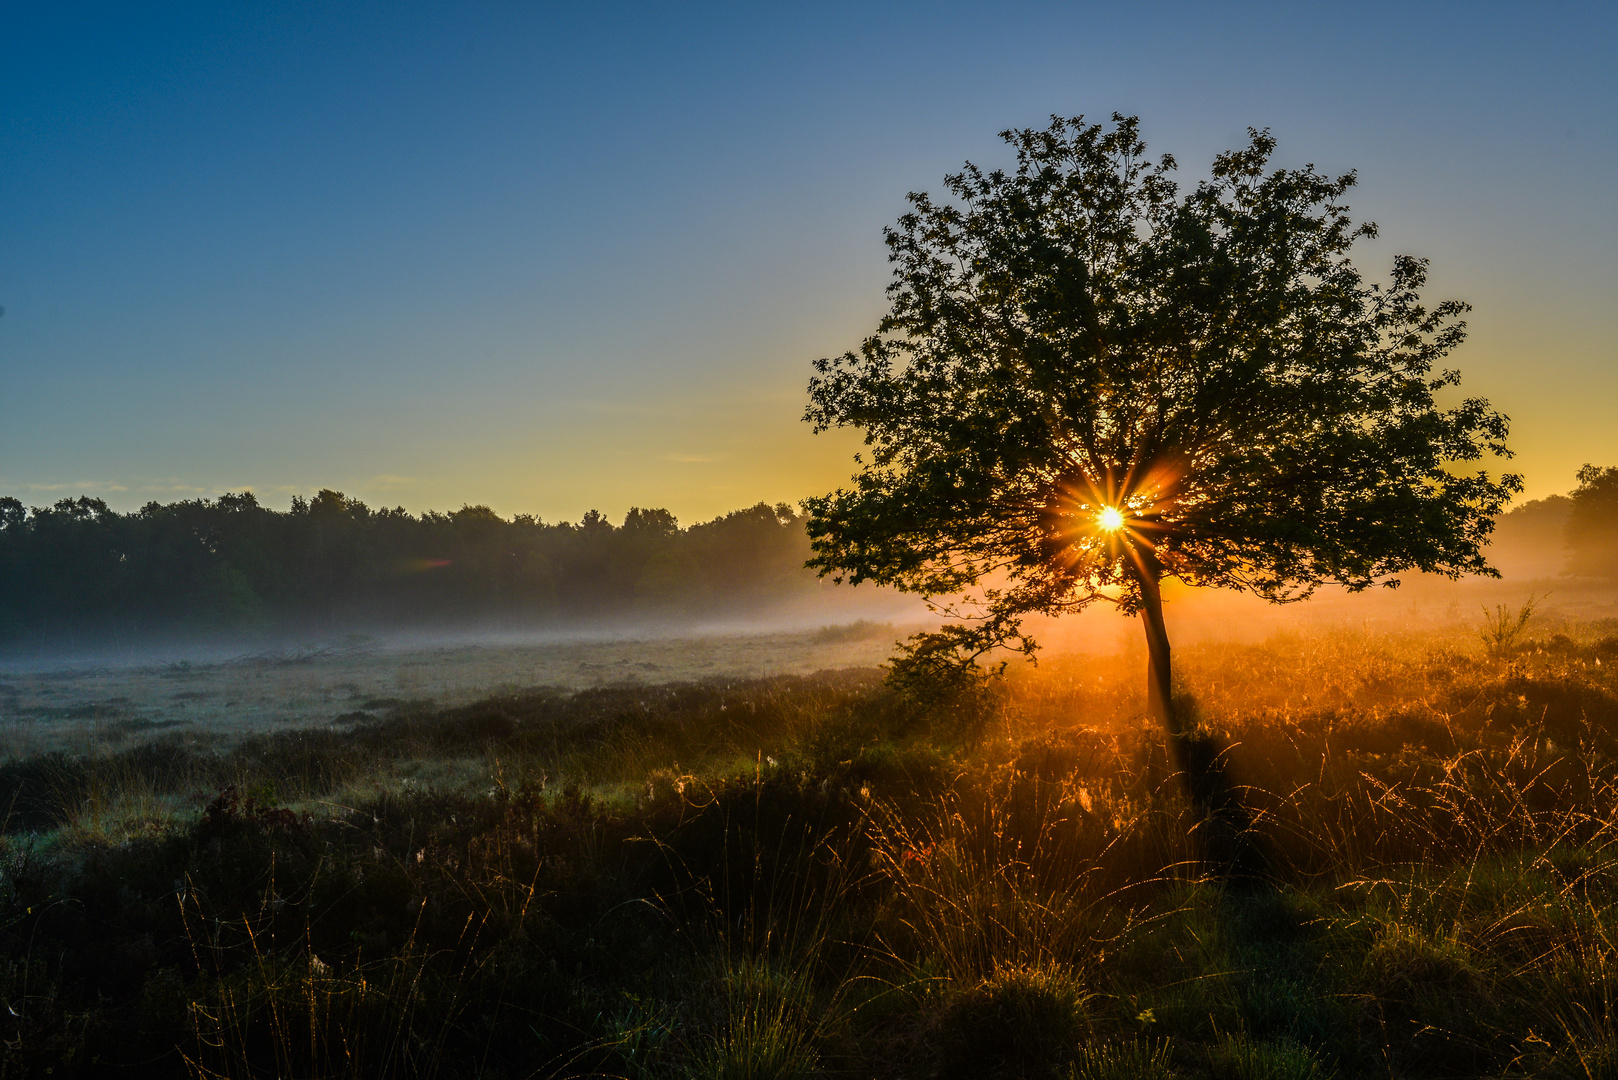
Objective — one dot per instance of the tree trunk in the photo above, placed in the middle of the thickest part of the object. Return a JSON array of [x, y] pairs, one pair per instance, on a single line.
[[1159, 699], [1223, 833]]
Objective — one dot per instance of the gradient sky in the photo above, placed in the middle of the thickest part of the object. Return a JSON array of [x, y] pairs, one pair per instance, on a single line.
[[555, 257]]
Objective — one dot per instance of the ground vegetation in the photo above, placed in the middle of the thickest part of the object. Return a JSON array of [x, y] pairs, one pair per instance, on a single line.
[[815, 876]]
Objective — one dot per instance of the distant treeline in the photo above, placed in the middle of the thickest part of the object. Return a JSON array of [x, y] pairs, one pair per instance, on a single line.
[[79, 571]]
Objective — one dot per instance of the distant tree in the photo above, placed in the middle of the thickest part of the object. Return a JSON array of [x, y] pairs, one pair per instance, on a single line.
[[1592, 523], [659, 524], [1088, 381], [14, 601]]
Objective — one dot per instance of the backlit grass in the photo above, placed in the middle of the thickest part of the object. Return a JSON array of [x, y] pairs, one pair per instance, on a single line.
[[1411, 871]]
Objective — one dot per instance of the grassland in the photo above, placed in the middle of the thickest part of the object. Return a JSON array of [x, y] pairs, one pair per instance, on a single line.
[[96, 706], [1400, 862]]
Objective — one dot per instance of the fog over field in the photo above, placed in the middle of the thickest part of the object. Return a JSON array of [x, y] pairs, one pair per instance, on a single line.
[[114, 694]]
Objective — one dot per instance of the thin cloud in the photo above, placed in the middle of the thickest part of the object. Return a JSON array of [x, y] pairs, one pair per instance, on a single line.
[[81, 485], [175, 487]]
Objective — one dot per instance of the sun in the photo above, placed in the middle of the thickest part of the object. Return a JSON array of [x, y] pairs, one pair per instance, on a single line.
[[1111, 519]]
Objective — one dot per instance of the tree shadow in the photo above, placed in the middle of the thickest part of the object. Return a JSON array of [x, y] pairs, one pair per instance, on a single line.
[[1275, 971], [1225, 838]]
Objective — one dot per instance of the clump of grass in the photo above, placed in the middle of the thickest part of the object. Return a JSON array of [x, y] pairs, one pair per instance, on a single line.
[[1125, 1059], [1005, 868], [1018, 1021], [1503, 628], [309, 1018], [765, 1031], [1404, 963], [1238, 1057]]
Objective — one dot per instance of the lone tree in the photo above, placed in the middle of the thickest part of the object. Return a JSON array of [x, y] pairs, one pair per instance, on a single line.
[[1089, 381]]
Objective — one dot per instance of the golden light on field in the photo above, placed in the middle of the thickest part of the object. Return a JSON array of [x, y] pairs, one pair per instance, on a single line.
[[1110, 519]]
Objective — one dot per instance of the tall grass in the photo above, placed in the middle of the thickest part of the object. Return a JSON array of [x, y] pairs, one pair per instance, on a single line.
[[807, 876]]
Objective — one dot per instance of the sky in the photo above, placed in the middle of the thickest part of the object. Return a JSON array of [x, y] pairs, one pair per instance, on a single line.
[[556, 257]]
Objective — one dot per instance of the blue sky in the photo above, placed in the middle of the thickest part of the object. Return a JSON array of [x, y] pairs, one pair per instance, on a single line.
[[555, 257]]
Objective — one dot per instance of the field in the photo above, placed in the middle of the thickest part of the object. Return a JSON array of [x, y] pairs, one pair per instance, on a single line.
[[1383, 853], [93, 707]]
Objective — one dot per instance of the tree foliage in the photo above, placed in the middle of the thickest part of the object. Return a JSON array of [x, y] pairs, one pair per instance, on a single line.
[[1078, 335], [1592, 523]]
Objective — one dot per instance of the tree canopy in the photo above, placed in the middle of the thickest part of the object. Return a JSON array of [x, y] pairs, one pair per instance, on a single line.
[[1592, 523], [1088, 380]]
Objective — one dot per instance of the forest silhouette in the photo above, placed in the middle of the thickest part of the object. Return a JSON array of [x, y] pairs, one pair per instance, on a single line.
[[79, 572]]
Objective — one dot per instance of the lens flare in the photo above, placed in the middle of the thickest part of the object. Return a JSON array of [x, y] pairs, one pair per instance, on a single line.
[[1111, 519]]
